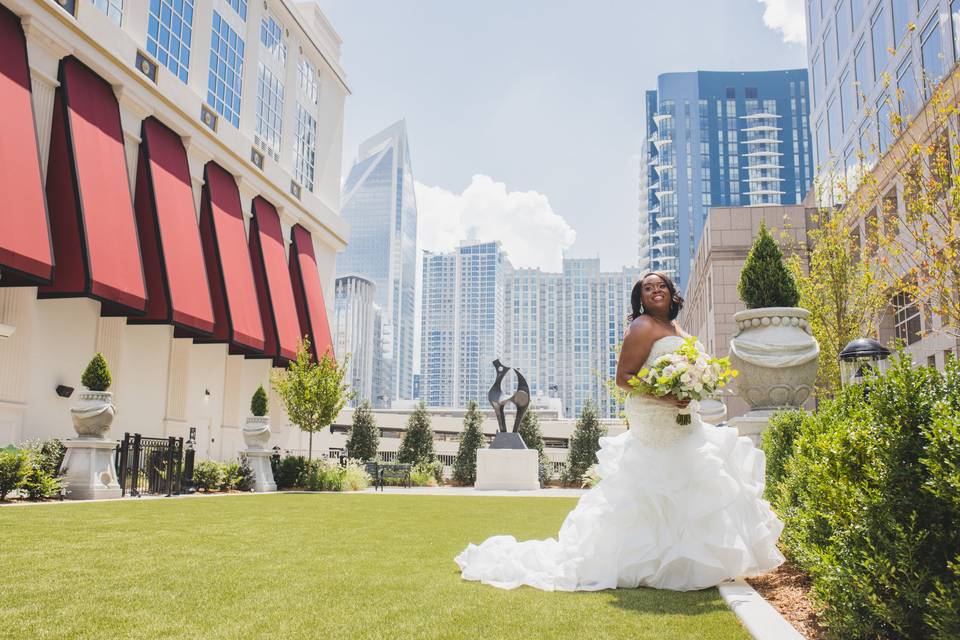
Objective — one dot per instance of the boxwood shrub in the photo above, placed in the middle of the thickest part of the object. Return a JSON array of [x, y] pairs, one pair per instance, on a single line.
[[869, 490]]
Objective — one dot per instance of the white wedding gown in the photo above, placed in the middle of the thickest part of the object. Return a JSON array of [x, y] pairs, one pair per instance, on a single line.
[[676, 507]]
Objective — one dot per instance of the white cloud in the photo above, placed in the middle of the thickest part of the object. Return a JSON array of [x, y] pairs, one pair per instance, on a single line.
[[531, 232], [786, 16]]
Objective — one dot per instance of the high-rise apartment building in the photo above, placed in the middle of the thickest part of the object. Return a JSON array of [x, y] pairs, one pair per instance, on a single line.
[[563, 330], [462, 327], [853, 46], [356, 318], [379, 203], [721, 139]]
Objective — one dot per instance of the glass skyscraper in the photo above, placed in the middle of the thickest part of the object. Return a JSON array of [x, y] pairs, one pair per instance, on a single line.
[[720, 139], [378, 201], [852, 46]]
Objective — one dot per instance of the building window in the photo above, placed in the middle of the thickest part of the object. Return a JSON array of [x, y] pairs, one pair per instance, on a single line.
[[878, 32], [240, 6], [907, 88], [847, 105], [843, 26], [309, 85], [901, 18], [861, 64], [829, 56], [834, 137], [168, 34], [113, 9], [271, 37], [305, 148], [269, 112], [955, 21], [931, 55], [884, 126], [907, 319], [225, 84]]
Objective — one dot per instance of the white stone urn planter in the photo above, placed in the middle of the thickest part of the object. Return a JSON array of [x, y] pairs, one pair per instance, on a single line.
[[776, 355], [256, 433], [93, 414]]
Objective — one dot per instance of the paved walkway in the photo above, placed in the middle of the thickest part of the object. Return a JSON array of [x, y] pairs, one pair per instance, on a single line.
[[552, 492]]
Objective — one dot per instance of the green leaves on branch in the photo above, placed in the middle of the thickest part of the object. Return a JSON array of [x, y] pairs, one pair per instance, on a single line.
[[364, 438], [765, 280], [471, 441], [417, 443], [584, 444], [312, 393]]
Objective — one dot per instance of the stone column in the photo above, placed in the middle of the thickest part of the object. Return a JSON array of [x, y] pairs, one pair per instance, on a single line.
[[197, 158], [133, 112], [43, 53], [16, 311]]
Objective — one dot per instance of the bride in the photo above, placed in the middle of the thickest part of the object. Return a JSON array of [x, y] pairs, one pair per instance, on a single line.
[[677, 507]]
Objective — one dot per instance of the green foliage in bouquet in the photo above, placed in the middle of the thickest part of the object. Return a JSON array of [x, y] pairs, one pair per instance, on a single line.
[[96, 376], [765, 280]]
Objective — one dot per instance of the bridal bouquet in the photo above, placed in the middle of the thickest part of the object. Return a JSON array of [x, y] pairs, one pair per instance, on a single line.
[[687, 373]]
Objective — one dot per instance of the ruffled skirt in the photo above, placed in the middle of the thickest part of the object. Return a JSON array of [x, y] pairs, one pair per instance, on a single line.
[[682, 516]]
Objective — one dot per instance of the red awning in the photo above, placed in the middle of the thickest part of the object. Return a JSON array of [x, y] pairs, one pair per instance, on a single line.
[[235, 306], [274, 291], [308, 293], [26, 254], [91, 214], [169, 236]]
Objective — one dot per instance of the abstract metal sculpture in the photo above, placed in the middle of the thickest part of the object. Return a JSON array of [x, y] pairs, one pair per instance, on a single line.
[[498, 400]]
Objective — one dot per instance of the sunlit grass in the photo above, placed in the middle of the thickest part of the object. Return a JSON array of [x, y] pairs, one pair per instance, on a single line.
[[305, 566]]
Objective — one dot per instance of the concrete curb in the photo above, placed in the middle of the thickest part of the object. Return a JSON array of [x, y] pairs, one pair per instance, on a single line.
[[756, 614]]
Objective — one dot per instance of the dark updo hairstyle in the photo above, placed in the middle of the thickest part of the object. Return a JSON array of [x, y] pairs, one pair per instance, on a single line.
[[636, 296]]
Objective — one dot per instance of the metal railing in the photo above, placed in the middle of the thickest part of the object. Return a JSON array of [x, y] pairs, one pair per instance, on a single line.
[[150, 465]]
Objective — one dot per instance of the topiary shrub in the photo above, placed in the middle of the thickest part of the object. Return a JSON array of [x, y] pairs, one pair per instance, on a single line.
[[471, 441], [207, 475], [417, 443], [765, 280], [258, 404], [96, 377], [584, 444], [364, 438], [870, 496], [14, 468], [529, 430]]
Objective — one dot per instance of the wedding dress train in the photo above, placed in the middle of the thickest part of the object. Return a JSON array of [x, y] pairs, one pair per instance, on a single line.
[[676, 507]]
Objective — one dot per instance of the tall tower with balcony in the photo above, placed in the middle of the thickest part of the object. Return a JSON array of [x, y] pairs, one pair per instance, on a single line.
[[719, 139]]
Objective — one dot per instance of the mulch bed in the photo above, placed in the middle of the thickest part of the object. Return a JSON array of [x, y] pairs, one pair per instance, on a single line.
[[787, 589]]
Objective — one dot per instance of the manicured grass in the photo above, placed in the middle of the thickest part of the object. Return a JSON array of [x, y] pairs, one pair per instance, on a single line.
[[305, 566]]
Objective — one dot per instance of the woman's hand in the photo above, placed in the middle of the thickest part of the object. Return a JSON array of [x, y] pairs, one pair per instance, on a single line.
[[674, 401]]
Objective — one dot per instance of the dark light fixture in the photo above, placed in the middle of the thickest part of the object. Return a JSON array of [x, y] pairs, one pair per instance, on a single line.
[[64, 391], [859, 357]]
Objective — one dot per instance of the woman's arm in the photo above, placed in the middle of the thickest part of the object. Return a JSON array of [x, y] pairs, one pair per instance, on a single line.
[[634, 351]]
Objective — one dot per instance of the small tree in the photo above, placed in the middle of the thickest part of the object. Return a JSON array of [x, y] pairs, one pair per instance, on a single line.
[[364, 438], [312, 392], [258, 404], [417, 443], [765, 280], [471, 441], [96, 376], [584, 444]]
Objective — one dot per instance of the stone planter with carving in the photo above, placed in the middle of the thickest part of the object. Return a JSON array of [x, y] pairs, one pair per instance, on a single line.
[[93, 414], [776, 355], [256, 433]]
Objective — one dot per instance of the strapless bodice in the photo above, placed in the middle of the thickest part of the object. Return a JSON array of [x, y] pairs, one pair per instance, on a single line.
[[653, 421]]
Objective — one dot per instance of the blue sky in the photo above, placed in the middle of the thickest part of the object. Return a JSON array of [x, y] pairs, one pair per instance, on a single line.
[[525, 117]]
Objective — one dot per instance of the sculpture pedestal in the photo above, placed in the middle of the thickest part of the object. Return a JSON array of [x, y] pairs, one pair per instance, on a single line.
[[507, 469], [752, 424], [89, 470], [259, 461]]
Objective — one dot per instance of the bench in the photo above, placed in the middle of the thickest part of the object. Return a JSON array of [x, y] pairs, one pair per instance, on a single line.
[[380, 471]]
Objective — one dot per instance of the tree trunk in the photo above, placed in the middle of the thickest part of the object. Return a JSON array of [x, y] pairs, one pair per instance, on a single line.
[[310, 449]]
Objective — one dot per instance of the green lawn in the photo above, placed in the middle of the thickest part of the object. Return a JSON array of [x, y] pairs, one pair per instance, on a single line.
[[305, 566]]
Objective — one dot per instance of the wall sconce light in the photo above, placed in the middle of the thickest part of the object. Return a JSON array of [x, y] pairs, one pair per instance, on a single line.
[[6, 330], [64, 391]]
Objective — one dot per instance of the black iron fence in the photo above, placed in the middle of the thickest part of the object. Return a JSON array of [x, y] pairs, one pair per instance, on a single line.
[[152, 465]]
